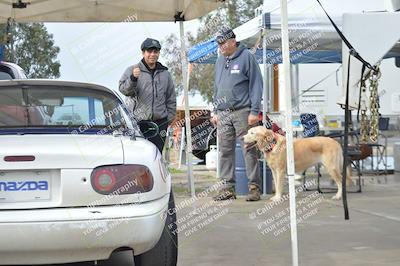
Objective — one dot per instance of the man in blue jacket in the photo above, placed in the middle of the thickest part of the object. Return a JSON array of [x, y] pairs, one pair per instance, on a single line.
[[150, 90], [237, 100]]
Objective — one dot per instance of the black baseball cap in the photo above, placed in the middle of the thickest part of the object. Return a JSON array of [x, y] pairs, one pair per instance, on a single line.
[[224, 35], [150, 43]]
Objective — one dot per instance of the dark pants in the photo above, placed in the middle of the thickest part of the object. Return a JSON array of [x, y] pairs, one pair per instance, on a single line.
[[159, 139]]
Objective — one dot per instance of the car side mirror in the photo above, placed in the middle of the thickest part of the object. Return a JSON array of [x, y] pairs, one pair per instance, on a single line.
[[149, 129]]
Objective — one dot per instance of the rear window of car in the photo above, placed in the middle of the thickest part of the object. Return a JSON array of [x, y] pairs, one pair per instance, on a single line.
[[5, 73], [56, 106]]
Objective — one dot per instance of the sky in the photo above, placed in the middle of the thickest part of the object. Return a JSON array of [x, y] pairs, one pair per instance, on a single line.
[[100, 52]]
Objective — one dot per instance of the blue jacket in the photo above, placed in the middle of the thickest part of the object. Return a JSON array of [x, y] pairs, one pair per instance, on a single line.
[[238, 82]]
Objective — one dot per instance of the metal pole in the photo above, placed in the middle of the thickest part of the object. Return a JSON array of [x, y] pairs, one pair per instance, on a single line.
[[181, 146], [265, 103], [345, 143], [294, 72], [167, 147], [289, 131], [270, 88], [187, 112]]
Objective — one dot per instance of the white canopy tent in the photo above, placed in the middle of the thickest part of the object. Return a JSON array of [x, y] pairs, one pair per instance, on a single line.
[[117, 11], [103, 10]]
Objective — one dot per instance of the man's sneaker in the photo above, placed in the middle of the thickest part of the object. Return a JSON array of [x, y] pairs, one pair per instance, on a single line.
[[254, 193], [225, 194]]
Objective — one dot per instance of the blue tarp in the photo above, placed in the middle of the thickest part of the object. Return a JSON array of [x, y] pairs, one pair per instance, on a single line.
[[206, 53], [301, 57]]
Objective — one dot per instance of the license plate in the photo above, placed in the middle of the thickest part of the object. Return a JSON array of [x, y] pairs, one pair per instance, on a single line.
[[23, 186]]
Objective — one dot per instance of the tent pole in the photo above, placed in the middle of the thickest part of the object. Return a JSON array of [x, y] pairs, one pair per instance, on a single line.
[[187, 112], [181, 146], [289, 131], [265, 102]]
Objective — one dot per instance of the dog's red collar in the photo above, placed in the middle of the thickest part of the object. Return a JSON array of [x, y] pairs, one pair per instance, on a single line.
[[270, 146]]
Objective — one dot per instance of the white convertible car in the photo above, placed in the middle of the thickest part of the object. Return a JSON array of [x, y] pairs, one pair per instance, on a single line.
[[80, 190]]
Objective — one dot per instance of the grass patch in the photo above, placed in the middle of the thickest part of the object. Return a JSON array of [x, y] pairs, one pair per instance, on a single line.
[[183, 190], [175, 171]]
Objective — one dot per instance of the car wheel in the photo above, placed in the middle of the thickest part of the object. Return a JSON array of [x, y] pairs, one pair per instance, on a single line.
[[165, 252]]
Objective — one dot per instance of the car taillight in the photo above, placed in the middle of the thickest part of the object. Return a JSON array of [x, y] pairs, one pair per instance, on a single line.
[[122, 179], [104, 180]]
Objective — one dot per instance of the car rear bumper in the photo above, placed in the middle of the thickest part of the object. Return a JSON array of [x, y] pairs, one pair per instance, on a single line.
[[79, 234]]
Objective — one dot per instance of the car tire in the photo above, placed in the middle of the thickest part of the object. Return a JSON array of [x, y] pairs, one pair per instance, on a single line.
[[165, 252]]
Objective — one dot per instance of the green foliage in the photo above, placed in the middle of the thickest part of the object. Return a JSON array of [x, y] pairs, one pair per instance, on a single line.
[[175, 171], [33, 49], [232, 14]]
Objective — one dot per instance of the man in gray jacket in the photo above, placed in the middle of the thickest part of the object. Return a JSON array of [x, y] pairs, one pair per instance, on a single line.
[[151, 90], [237, 99]]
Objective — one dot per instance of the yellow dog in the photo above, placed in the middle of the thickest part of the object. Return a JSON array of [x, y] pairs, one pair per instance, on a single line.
[[307, 152]]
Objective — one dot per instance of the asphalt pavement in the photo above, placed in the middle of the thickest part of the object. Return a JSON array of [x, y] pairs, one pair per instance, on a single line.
[[240, 233]]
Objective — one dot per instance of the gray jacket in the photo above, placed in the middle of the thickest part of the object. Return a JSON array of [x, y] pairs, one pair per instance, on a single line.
[[238, 82], [151, 97]]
